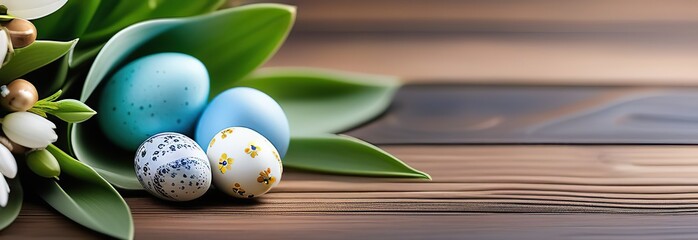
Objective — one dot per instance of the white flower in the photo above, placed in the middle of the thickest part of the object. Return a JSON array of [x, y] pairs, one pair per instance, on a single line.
[[32, 9], [4, 41], [8, 165], [4, 192], [8, 168], [29, 130]]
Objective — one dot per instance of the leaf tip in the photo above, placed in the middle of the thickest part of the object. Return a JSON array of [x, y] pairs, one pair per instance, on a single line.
[[418, 174], [292, 12], [424, 175], [293, 9]]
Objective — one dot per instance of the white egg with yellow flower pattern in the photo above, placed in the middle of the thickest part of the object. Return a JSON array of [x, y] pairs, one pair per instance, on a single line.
[[244, 164]]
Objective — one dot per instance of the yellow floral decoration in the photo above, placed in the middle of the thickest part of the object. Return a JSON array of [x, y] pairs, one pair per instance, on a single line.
[[253, 150], [224, 133], [241, 191], [225, 163], [265, 178], [212, 142]]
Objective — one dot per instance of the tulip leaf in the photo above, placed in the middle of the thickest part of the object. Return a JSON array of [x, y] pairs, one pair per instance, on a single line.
[[345, 155], [69, 22], [237, 40], [116, 15], [85, 197], [110, 161], [32, 57], [50, 78], [96, 20], [322, 101], [9, 213]]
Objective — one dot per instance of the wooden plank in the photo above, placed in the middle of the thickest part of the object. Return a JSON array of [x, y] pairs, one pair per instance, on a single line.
[[381, 226], [503, 58], [499, 15], [493, 114], [475, 192], [597, 42], [435, 226]]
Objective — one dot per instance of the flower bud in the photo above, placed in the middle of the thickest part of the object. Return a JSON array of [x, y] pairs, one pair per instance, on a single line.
[[29, 130]]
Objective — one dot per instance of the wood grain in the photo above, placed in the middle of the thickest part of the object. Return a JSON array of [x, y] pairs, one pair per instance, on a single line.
[[645, 42], [476, 192], [496, 114], [377, 226], [499, 15], [503, 58]]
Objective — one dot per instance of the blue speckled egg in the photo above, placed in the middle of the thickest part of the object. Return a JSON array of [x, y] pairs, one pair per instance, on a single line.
[[173, 167], [245, 107], [163, 92]]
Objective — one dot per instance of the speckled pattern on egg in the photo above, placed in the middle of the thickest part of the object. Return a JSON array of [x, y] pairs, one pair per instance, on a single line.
[[244, 164], [164, 92], [173, 167]]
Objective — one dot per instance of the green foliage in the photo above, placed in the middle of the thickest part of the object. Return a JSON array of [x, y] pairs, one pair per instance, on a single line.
[[33, 57], [320, 101], [95, 21], [345, 155], [9, 213], [231, 43], [85, 197]]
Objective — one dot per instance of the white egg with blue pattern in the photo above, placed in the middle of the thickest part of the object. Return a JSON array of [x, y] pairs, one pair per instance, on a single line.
[[244, 164], [173, 167]]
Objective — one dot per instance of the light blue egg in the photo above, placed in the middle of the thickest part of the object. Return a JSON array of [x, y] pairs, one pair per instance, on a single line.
[[163, 92], [245, 107]]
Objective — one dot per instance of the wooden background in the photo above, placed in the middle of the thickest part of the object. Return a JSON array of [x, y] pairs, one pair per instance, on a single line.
[[478, 191]]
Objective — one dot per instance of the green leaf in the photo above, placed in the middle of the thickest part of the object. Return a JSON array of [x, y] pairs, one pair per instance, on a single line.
[[85, 197], [53, 97], [9, 213], [33, 57], [345, 155], [45, 105], [231, 43], [116, 15], [110, 161], [72, 111], [38, 111], [48, 79], [83, 55], [236, 41], [322, 101], [96, 21], [69, 22]]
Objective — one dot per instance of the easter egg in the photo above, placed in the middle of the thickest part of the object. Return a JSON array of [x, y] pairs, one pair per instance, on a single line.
[[244, 164], [245, 107], [172, 167], [163, 92]]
